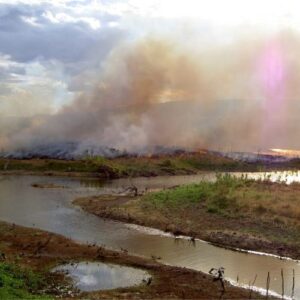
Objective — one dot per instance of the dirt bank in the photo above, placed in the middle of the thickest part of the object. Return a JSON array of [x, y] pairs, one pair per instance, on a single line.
[[40, 251], [260, 227]]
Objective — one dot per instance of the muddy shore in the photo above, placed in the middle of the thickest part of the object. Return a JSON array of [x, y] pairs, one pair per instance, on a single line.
[[217, 230], [40, 251]]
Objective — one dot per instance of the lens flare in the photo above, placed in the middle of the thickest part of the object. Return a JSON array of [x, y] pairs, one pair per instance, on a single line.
[[272, 72], [272, 77]]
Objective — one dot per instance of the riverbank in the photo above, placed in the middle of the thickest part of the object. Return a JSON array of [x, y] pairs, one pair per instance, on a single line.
[[232, 213], [129, 166], [28, 254], [183, 163]]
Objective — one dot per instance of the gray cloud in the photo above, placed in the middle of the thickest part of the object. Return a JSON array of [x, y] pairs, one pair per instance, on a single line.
[[65, 41], [69, 49]]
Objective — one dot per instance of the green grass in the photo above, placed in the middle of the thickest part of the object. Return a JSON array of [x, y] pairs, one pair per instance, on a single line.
[[96, 165], [129, 166], [230, 195], [215, 196], [273, 209], [19, 283]]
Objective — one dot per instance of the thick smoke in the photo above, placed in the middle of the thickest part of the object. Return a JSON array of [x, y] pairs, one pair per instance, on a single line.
[[239, 96]]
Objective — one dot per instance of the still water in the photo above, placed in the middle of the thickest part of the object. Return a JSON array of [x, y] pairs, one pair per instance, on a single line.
[[52, 210], [91, 276]]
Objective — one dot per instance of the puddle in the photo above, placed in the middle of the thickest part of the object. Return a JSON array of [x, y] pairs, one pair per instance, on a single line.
[[93, 276]]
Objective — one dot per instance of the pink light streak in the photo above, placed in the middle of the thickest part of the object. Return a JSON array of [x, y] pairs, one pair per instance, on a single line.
[[272, 78], [272, 73]]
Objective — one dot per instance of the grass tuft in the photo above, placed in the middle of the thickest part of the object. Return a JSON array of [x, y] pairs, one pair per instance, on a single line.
[[19, 283]]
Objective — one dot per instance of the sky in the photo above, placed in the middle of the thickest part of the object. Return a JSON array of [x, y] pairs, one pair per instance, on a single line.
[[54, 55]]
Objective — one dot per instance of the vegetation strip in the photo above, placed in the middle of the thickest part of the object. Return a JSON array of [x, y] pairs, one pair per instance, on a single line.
[[231, 212], [133, 166]]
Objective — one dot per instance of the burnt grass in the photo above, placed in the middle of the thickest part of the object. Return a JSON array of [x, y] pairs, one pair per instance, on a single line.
[[30, 251], [232, 213]]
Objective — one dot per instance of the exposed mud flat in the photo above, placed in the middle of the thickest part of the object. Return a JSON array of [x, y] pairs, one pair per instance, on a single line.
[[112, 207], [41, 251]]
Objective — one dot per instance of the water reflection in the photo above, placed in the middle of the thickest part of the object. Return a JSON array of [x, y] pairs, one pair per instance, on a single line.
[[91, 276], [92, 182], [161, 182], [52, 210], [287, 177]]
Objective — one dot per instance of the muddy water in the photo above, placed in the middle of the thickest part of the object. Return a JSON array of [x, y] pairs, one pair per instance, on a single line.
[[52, 210], [89, 276]]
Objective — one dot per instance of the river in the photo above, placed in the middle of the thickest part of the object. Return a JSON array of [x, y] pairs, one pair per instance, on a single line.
[[52, 210]]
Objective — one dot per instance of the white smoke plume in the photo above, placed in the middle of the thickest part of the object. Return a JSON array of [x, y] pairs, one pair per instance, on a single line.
[[157, 91]]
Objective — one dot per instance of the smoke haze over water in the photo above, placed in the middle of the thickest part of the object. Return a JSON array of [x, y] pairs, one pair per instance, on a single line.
[[159, 90]]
